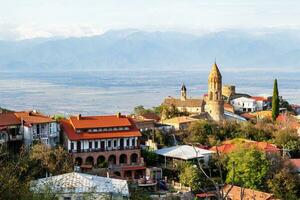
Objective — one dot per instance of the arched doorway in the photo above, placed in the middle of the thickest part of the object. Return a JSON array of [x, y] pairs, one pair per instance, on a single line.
[[101, 162], [112, 159], [89, 160], [78, 161], [133, 158], [123, 159]]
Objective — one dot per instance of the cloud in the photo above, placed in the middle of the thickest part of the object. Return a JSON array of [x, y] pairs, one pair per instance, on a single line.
[[28, 31]]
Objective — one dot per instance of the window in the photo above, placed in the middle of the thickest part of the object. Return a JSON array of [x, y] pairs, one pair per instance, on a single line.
[[115, 143], [67, 198], [72, 145], [109, 129], [127, 142], [133, 142], [109, 143], [90, 145], [95, 130], [115, 129], [96, 144]]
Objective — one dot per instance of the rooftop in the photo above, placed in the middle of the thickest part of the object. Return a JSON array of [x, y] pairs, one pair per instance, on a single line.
[[80, 183], [184, 152], [235, 193], [179, 120], [230, 145], [99, 121], [29, 117], [186, 103], [90, 122]]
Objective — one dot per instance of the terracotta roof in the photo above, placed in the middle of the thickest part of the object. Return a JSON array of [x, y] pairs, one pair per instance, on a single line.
[[231, 145], [295, 163], [235, 193], [151, 116], [179, 120], [8, 119], [225, 148], [29, 117], [248, 116], [99, 121], [33, 117], [179, 103], [70, 130], [257, 98]]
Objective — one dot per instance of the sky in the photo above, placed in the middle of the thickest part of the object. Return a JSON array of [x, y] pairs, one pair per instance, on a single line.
[[22, 19]]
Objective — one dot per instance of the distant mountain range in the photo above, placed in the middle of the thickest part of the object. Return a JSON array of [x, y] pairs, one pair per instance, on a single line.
[[133, 49]]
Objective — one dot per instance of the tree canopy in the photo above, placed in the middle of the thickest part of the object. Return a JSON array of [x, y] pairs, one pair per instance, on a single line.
[[247, 167]]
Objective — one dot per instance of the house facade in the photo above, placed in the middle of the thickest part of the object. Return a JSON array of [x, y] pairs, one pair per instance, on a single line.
[[113, 139], [27, 127], [244, 104]]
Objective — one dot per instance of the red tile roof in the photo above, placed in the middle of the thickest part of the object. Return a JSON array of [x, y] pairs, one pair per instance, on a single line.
[[235, 193], [256, 98], [8, 119], [151, 116], [295, 163], [229, 147], [248, 116], [33, 117], [14, 118], [99, 121]]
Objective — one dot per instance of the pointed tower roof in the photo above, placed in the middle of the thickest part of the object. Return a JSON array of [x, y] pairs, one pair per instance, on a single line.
[[215, 72], [183, 88]]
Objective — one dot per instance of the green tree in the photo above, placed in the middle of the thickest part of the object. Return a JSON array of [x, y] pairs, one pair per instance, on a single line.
[[247, 167], [287, 139], [284, 185], [199, 132], [275, 101], [55, 161], [191, 176]]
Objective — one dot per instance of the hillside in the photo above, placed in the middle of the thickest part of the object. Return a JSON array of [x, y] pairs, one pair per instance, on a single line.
[[131, 49]]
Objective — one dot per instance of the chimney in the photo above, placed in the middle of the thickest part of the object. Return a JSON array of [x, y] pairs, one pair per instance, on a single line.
[[79, 117], [118, 114]]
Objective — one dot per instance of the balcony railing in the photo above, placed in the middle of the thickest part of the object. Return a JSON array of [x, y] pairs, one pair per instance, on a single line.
[[103, 149], [15, 137]]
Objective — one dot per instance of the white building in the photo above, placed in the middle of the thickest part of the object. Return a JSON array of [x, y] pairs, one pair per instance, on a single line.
[[18, 128], [38, 127], [244, 104], [76, 186], [185, 152]]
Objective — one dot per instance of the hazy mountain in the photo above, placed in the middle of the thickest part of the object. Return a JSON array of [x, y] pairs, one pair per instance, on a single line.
[[132, 49]]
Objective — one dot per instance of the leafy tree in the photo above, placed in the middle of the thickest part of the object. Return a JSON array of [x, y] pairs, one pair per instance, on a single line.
[[139, 194], [140, 110], [199, 131], [151, 159], [287, 139], [192, 177], [247, 168], [55, 161], [285, 185], [275, 101]]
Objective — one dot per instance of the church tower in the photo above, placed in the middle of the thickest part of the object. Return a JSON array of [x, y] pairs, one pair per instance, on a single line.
[[215, 102], [183, 93]]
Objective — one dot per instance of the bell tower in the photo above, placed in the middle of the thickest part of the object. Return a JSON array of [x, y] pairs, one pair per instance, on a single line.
[[215, 102], [183, 93]]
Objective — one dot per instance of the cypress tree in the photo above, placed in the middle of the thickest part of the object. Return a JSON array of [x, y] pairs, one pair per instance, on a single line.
[[275, 101]]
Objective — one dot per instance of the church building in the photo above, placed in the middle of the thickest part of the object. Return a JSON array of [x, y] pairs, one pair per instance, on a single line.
[[210, 106]]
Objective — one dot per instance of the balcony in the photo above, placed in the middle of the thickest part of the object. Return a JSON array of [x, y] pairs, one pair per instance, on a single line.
[[103, 149], [15, 137]]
